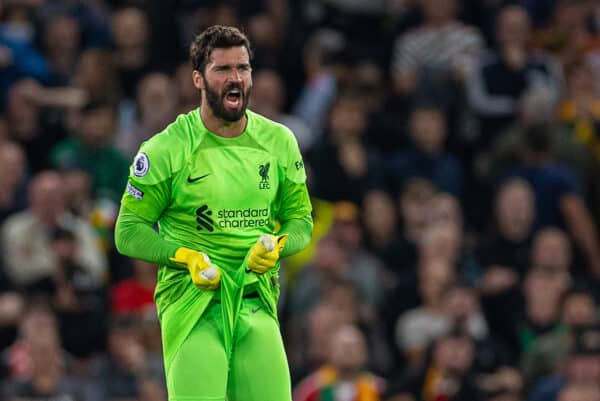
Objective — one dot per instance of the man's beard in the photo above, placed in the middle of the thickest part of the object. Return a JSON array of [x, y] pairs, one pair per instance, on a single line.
[[216, 102]]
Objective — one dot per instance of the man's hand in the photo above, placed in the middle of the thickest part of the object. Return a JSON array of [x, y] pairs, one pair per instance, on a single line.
[[205, 275], [265, 253]]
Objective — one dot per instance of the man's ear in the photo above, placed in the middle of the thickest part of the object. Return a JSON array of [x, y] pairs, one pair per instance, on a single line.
[[198, 79]]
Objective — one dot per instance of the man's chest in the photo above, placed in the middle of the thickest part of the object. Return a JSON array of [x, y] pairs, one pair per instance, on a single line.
[[227, 178]]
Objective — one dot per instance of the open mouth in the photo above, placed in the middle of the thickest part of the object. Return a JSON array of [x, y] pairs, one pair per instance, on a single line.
[[233, 98]]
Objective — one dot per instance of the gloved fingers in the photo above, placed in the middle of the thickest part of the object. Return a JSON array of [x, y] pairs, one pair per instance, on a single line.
[[208, 278], [263, 260]]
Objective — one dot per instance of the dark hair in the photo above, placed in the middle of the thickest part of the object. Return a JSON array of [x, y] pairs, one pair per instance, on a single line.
[[215, 37], [61, 233], [95, 105], [538, 138]]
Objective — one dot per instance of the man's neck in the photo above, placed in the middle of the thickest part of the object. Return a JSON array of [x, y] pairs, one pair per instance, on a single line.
[[221, 127]]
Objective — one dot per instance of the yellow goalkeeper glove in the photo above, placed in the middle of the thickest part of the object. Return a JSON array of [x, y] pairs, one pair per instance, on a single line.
[[265, 253], [205, 275]]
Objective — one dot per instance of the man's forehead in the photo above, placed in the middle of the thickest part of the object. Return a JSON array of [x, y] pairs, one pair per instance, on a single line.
[[229, 55]]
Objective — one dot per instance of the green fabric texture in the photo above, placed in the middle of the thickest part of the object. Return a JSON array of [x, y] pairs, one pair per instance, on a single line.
[[135, 237], [258, 340], [299, 232], [218, 196]]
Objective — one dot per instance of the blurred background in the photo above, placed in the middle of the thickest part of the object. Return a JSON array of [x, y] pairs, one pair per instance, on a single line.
[[453, 152]]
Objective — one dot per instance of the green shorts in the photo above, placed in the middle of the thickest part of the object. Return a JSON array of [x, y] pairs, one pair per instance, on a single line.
[[258, 370]]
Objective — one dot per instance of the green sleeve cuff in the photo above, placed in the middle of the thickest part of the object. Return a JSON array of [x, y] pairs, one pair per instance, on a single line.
[[299, 233], [136, 238]]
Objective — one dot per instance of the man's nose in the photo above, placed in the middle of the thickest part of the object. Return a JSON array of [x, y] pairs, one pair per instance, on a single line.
[[235, 75]]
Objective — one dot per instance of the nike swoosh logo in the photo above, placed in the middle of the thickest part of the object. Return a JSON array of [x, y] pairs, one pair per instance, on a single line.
[[192, 180], [255, 310]]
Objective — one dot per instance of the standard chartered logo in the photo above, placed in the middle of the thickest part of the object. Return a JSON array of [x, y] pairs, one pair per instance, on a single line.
[[242, 218], [231, 218], [204, 219]]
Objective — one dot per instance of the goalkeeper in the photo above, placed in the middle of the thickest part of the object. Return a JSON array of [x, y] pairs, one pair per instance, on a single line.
[[216, 181]]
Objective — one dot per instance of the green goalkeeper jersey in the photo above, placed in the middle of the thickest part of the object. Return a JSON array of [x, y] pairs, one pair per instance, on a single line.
[[216, 195]]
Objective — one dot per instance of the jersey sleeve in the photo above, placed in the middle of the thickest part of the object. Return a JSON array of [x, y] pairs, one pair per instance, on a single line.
[[294, 198], [148, 190]]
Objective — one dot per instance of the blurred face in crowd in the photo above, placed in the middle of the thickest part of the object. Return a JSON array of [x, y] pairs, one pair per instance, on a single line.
[[583, 369], [348, 351], [346, 227], [62, 35], [343, 298], [46, 365], [347, 120], [77, 185], [96, 72], [97, 126], [22, 112], [18, 22], [323, 321], [225, 14], [439, 10], [435, 275], [379, 214], [581, 81], [413, 203], [130, 29], [126, 348], [579, 309], [543, 291], [579, 393], [514, 26], [12, 165], [515, 210], [551, 249], [461, 302], [39, 332], [569, 15], [444, 208], [454, 355], [442, 241], [262, 29], [428, 130], [330, 258], [46, 197], [226, 82], [186, 93], [267, 93], [38, 324], [157, 100]]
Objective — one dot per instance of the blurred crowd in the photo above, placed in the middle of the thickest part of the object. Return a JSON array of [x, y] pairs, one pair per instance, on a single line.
[[452, 150]]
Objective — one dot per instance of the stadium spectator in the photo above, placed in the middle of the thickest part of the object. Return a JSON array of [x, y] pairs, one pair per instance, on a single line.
[[26, 241], [91, 150], [578, 309], [580, 369], [504, 254], [503, 76], [12, 179], [343, 376], [268, 99], [558, 200], [427, 158], [123, 372], [417, 328], [156, 103], [445, 376], [430, 60]]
